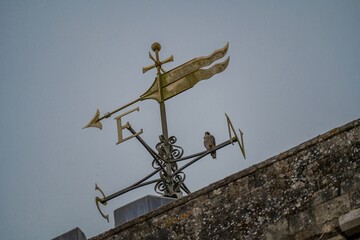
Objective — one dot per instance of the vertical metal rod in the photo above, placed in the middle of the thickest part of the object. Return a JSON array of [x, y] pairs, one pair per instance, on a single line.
[[162, 103], [163, 120], [169, 183]]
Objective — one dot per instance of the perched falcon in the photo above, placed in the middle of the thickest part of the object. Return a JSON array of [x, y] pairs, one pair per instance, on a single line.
[[209, 143]]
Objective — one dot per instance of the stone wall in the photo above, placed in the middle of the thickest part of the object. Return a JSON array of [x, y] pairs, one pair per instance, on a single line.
[[298, 194]]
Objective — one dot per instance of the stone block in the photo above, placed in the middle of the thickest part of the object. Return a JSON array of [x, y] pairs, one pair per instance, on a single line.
[[350, 222], [338, 237], [332, 209], [74, 234], [278, 230], [138, 208]]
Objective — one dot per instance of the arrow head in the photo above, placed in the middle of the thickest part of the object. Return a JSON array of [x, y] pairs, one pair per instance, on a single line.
[[94, 122]]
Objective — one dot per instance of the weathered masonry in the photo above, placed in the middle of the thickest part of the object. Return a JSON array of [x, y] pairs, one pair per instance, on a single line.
[[311, 191]]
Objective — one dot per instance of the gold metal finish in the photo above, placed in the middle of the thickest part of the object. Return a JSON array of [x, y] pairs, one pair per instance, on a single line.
[[169, 84], [169, 59], [156, 47], [94, 122], [241, 145], [186, 75], [170, 189], [120, 127], [97, 200], [165, 86]]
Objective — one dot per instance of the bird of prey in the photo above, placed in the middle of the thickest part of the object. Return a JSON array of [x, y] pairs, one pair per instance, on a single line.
[[209, 143]]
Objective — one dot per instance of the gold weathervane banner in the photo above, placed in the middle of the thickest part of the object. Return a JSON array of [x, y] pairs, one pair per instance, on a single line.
[[187, 75], [175, 81]]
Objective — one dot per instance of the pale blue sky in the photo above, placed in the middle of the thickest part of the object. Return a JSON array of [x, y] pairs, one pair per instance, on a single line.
[[293, 74]]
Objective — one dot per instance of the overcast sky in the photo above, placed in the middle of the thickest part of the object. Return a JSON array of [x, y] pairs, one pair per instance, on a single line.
[[293, 74]]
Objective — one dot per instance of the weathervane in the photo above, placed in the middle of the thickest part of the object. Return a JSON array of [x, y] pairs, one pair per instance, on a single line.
[[167, 155]]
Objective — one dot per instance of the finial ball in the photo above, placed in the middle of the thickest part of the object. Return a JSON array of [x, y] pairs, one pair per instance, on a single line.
[[156, 46]]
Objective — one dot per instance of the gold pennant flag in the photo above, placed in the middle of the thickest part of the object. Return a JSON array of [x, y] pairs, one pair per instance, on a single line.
[[175, 81], [187, 75]]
